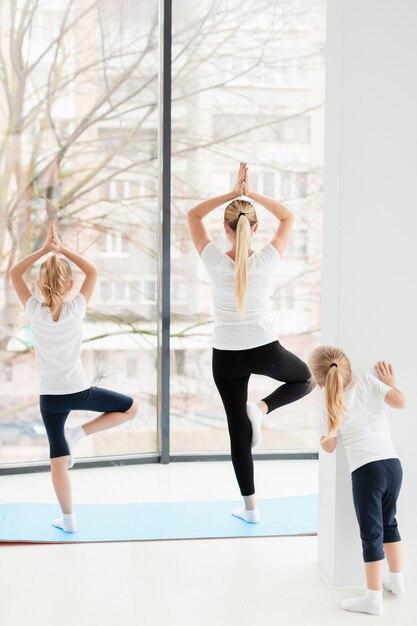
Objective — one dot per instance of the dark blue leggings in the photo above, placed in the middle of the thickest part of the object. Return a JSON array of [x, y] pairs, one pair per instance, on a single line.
[[55, 410], [231, 371], [376, 487]]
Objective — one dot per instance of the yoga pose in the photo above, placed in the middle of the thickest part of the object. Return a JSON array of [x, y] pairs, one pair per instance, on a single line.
[[63, 384], [245, 340], [354, 407]]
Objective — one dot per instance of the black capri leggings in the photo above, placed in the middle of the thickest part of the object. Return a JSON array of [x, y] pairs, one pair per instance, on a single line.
[[376, 487], [231, 372], [55, 410]]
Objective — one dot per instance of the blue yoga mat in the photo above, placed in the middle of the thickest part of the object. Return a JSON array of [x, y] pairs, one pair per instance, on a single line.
[[27, 522]]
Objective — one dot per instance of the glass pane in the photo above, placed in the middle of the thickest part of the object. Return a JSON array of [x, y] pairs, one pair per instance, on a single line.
[[79, 144], [248, 84]]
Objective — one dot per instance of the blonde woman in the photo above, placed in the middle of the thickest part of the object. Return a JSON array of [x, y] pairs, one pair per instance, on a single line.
[[63, 384], [354, 407], [245, 340]]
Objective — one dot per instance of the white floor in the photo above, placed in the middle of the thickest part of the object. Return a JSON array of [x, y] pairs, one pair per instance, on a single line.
[[240, 582]]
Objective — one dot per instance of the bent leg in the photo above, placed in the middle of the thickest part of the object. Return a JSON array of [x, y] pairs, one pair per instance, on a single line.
[[116, 409], [275, 361]]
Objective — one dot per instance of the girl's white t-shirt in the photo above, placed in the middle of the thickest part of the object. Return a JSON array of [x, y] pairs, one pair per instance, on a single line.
[[257, 328], [364, 430], [58, 346]]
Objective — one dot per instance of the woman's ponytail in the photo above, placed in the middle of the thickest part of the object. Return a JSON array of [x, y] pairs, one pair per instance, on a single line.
[[243, 240], [240, 215], [54, 275]]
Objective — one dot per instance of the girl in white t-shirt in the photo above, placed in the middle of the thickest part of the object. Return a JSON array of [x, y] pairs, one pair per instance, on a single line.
[[63, 384], [353, 406], [245, 339]]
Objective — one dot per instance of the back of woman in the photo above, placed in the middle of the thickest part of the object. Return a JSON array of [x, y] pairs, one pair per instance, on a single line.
[[257, 326]]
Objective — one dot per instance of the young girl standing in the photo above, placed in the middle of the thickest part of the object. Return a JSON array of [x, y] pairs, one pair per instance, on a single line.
[[63, 384], [354, 407], [245, 339]]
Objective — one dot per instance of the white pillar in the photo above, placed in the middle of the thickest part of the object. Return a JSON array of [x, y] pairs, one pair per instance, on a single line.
[[369, 303]]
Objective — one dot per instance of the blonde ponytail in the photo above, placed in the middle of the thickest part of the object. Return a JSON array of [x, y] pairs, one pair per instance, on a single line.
[[243, 239], [54, 276], [240, 215], [333, 400], [331, 369]]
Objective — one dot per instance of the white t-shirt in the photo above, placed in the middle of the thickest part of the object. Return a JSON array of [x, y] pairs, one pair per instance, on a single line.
[[257, 328], [364, 429], [58, 346]]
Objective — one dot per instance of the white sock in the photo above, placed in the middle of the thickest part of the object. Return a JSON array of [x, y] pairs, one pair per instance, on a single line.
[[395, 583], [67, 522], [73, 436], [255, 415], [252, 517], [371, 603]]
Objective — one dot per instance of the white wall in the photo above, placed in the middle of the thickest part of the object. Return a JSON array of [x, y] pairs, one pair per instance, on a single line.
[[370, 244]]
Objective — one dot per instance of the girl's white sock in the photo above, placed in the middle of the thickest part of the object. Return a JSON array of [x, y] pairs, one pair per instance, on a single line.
[[73, 436], [252, 517], [255, 416], [395, 583], [67, 522], [370, 603]]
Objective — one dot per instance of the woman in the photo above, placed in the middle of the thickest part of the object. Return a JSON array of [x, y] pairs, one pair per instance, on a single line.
[[354, 407], [63, 384], [244, 341]]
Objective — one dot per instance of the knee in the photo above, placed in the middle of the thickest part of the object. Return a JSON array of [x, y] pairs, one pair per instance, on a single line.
[[132, 412], [59, 462]]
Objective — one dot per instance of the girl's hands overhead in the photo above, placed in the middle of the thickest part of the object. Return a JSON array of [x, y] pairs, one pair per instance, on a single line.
[[48, 245], [55, 240]]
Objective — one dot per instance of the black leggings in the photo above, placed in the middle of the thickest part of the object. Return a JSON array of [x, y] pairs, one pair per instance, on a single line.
[[231, 372], [56, 408]]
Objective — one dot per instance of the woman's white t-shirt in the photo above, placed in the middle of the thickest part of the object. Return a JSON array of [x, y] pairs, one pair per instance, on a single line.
[[58, 346], [257, 328], [364, 430]]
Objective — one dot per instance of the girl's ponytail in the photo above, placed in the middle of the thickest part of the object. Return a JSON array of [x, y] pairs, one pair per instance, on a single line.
[[54, 275], [333, 399], [331, 369]]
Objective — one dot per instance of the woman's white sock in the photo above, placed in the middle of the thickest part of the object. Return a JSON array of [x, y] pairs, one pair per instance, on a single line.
[[370, 603], [255, 416], [67, 522], [73, 436], [252, 517], [395, 583]]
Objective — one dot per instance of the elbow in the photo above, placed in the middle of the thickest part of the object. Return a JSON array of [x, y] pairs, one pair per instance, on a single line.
[[402, 402], [329, 446]]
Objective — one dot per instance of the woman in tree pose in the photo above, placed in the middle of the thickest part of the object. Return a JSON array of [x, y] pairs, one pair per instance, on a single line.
[[245, 340], [354, 407], [63, 384]]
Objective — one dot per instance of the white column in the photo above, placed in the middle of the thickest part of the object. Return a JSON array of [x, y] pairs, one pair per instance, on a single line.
[[370, 245]]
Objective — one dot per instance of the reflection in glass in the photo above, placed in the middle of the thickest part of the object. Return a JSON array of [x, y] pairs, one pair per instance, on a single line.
[[79, 118], [248, 85]]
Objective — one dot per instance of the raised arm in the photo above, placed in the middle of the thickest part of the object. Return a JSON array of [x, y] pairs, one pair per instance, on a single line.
[[85, 266], [394, 398], [285, 216], [196, 214], [17, 271]]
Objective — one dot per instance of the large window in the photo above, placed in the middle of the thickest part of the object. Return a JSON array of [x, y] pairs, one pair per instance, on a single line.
[[79, 95], [80, 142], [248, 84]]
